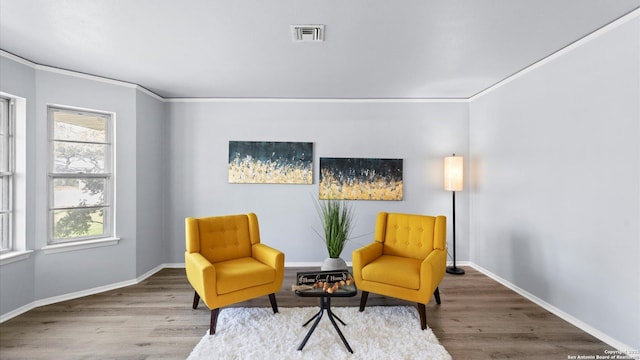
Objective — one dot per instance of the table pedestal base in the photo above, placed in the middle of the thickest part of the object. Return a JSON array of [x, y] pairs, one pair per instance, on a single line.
[[325, 305]]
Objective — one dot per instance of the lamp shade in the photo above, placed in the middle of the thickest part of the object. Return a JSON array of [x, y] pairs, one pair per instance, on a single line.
[[453, 173]]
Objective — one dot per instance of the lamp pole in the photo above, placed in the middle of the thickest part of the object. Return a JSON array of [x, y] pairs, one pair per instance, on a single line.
[[453, 269]]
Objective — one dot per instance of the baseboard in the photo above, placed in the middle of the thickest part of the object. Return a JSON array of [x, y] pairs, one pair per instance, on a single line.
[[554, 310], [286, 264], [78, 294], [13, 313], [307, 264], [174, 266], [460, 263], [303, 264]]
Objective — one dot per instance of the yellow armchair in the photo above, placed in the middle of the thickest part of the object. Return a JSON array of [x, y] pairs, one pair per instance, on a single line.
[[407, 259], [226, 263]]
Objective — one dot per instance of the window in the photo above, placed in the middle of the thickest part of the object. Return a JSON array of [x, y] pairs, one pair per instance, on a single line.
[[7, 171], [80, 175]]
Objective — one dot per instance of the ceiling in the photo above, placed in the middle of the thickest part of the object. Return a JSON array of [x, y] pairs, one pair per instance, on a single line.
[[373, 49]]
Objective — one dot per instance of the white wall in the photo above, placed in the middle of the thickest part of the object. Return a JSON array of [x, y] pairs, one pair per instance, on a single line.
[[555, 205], [140, 125], [193, 149], [17, 279], [151, 169], [420, 133], [553, 157], [66, 272]]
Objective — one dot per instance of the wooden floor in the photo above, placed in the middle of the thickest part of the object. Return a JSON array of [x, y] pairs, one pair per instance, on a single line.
[[478, 319]]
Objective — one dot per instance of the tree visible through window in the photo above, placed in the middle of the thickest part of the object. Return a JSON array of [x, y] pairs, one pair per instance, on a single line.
[[81, 181]]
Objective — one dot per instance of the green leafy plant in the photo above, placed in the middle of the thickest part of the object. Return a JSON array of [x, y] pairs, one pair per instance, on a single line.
[[337, 223]]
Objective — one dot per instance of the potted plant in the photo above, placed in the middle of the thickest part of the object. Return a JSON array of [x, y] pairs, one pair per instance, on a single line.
[[337, 223]]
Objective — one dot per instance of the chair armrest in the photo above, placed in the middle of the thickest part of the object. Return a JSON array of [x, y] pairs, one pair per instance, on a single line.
[[201, 275], [268, 255], [432, 269], [363, 256]]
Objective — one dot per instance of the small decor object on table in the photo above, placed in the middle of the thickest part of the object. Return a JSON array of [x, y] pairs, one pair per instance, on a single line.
[[325, 285]]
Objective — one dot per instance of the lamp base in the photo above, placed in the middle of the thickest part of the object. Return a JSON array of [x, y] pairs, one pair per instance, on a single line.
[[455, 270]]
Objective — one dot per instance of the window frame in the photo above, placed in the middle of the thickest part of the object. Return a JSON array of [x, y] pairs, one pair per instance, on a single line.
[[107, 205], [7, 206]]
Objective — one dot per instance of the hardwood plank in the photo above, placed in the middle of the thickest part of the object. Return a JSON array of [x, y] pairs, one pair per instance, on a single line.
[[478, 319]]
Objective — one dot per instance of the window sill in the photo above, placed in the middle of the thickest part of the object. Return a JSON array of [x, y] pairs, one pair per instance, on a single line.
[[14, 256], [81, 245]]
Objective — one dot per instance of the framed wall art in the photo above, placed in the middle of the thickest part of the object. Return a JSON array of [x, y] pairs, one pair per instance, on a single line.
[[261, 162], [360, 179]]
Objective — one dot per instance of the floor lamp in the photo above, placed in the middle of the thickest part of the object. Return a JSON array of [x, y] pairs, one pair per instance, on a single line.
[[453, 179]]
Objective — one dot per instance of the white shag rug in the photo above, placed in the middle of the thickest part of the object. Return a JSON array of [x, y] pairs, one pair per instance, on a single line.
[[380, 332]]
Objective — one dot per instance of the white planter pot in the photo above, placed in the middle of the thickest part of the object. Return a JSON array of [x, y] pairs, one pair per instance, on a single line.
[[330, 264]]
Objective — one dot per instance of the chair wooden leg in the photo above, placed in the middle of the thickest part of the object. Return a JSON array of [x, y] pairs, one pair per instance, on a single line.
[[214, 320], [437, 295], [363, 300], [423, 316], [196, 299], [274, 304]]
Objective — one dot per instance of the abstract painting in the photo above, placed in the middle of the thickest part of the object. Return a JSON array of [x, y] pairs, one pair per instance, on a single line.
[[360, 179], [260, 162]]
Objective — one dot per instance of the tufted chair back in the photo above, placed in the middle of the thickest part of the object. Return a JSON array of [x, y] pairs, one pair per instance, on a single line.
[[225, 262], [406, 260], [408, 235], [221, 238]]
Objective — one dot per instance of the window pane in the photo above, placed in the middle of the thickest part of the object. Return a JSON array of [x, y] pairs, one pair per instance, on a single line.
[[80, 169], [4, 136], [4, 231], [4, 192], [4, 153], [6, 157], [79, 158], [78, 192], [78, 223], [4, 115], [79, 127]]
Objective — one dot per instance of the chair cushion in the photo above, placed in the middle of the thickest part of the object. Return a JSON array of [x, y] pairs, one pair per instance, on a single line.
[[394, 270], [409, 235], [243, 273], [224, 237]]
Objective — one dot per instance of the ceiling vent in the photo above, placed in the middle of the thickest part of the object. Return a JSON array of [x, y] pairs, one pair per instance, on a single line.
[[307, 32]]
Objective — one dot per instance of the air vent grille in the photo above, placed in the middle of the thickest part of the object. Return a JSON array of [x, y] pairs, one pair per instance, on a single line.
[[307, 32]]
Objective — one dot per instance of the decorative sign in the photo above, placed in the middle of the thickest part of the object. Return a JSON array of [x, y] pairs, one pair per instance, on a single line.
[[325, 283], [312, 277]]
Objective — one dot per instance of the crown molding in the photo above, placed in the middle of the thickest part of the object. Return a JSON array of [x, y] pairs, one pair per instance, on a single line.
[[76, 74], [576, 44], [17, 59], [567, 49], [56, 70], [317, 100]]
